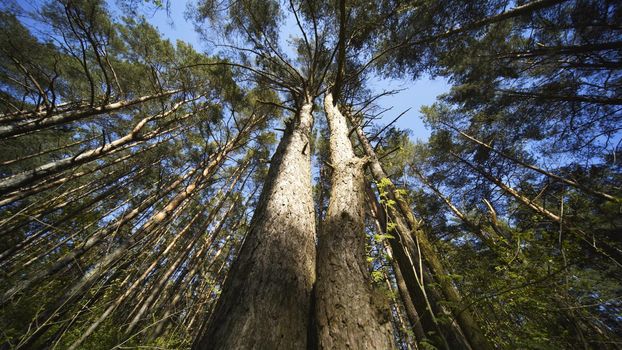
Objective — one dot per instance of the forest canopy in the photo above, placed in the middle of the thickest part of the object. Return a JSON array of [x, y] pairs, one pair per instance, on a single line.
[[257, 193]]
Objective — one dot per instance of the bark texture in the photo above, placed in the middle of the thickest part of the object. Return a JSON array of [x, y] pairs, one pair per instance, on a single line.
[[349, 315], [265, 302]]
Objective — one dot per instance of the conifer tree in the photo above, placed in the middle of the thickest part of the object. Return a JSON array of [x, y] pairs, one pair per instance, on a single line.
[[253, 196]]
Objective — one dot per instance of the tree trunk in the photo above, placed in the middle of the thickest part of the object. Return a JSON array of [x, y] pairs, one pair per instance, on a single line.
[[164, 254], [27, 177], [409, 306], [265, 302], [349, 314], [42, 120], [157, 218], [59, 179], [467, 323]]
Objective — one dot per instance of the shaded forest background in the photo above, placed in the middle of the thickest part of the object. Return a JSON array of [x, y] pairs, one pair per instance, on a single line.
[[141, 179]]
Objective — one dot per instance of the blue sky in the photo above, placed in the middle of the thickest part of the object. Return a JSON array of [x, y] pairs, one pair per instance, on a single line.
[[415, 94]]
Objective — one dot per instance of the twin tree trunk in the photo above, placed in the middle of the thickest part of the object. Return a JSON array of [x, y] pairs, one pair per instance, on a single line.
[[266, 301]]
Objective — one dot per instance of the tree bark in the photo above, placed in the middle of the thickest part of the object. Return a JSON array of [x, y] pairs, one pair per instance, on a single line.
[[265, 301], [349, 313]]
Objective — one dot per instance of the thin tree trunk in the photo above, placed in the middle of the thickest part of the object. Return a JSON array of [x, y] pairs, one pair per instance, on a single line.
[[24, 178], [57, 181], [467, 322], [128, 291], [41, 153], [485, 237], [45, 121], [145, 304], [175, 292], [409, 306], [30, 239], [113, 182], [569, 182], [399, 324], [46, 319], [607, 250], [77, 252], [154, 220], [417, 276], [420, 286]]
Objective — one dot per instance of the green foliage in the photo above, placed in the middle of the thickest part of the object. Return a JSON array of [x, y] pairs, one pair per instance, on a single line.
[[382, 237], [518, 187], [426, 345]]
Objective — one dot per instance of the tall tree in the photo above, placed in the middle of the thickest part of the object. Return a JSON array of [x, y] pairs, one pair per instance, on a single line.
[[267, 296], [155, 196], [348, 312]]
